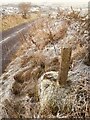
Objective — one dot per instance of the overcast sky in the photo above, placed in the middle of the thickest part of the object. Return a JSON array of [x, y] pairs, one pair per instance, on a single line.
[[41, 1]]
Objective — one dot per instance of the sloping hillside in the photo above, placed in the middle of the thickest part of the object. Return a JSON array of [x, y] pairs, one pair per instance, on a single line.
[[28, 87]]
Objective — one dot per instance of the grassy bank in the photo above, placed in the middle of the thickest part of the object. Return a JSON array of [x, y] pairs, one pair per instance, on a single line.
[[10, 21]]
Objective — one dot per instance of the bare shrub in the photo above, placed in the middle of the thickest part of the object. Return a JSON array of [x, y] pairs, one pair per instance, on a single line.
[[60, 13], [24, 8]]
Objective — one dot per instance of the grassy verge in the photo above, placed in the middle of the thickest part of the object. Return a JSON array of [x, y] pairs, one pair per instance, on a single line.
[[10, 21]]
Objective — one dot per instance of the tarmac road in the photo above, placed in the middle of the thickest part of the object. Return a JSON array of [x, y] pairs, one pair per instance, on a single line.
[[10, 42]]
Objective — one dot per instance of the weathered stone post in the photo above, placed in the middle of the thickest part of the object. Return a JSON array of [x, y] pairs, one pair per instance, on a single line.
[[64, 66]]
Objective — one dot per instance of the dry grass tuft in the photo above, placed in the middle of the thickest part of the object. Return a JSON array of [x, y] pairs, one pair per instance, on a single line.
[[10, 21], [79, 52]]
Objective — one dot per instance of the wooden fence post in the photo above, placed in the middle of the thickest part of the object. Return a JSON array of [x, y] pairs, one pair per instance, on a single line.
[[64, 66]]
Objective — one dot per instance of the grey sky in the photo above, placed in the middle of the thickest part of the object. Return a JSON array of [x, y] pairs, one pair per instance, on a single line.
[[41, 1]]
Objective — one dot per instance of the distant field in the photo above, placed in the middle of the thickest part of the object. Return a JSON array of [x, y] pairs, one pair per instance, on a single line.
[[10, 21]]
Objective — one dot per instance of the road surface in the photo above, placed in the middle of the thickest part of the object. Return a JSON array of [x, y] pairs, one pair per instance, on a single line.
[[11, 42]]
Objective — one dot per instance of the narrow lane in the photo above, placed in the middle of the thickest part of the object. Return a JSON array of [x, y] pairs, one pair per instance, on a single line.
[[10, 42]]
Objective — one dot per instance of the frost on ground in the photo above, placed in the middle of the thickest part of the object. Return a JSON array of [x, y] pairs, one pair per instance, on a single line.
[[29, 88]]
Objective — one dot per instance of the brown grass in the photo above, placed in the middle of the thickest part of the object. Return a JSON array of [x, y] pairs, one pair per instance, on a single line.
[[10, 21], [79, 52]]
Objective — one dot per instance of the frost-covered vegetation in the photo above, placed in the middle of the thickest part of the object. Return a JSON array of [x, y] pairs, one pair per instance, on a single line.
[[29, 87]]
